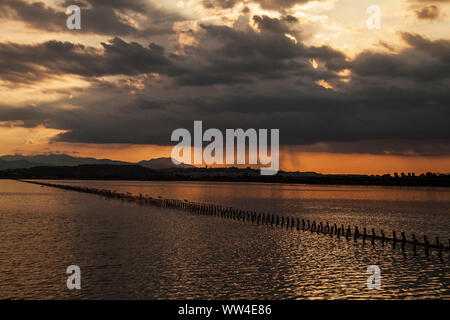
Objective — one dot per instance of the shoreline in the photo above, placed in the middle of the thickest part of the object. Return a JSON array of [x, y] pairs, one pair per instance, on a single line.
[[325, 182], [140, 173]]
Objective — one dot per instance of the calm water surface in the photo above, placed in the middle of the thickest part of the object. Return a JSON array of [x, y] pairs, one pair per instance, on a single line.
[[128, 251]]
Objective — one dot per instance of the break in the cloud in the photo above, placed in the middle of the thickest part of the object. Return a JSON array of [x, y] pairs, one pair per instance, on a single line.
[[249, 70]]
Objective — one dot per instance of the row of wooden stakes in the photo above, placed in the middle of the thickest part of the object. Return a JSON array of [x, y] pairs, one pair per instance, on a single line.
[[273, 220]]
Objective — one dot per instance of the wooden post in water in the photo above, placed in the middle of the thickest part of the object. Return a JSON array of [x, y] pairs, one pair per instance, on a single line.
[[382, 237], [414, 243], [373, 237], [355, 238], [403, 241], [426, 244]]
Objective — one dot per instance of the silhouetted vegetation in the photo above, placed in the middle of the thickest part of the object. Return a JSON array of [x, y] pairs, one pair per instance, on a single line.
[[134, 172]]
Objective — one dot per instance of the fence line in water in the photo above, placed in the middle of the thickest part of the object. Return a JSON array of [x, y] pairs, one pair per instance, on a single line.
[[273, 220]]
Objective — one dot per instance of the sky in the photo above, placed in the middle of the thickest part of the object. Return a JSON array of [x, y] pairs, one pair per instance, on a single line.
[[346, 98]]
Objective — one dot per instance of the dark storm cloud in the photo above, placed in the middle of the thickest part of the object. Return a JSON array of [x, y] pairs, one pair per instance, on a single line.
[[23, 63], [280, 4], [97, 16], [425, 60], [102, 20], [230, 56], [224, 4], [395, 147], [27, 116], [312, 114], [135, 5], [282, 25], [36, 14], [428, 13], [148, 8], [224, 56], [439, 49], [305, 116], [266, 4]]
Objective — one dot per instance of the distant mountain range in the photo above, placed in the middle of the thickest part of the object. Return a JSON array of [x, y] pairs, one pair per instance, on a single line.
[[50, 160]]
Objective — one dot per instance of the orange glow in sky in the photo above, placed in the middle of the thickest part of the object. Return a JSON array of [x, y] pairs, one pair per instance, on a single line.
[[338, 24]]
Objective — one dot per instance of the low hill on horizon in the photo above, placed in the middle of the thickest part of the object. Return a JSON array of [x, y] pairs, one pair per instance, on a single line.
[[17, 164], [162, 163], [19, 161]]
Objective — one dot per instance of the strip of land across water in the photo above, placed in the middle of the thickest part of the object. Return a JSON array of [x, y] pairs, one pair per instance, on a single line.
[[136, 172]]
